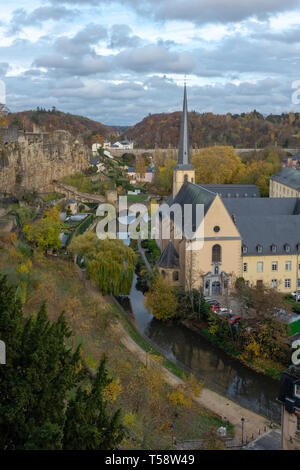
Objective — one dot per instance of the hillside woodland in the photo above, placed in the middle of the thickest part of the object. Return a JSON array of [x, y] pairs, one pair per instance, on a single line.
[[246, 130]]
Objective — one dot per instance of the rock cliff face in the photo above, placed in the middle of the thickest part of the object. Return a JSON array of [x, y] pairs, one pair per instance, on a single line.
[[35, 160]]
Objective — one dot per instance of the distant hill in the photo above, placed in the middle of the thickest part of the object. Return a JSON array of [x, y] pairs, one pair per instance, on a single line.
[[246, 130], [51, 120]]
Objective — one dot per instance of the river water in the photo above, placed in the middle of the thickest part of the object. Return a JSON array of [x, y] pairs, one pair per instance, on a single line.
[[219, 371]]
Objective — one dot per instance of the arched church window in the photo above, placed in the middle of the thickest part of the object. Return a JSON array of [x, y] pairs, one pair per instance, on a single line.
[[216, 254], [186, 178], [175, 276]]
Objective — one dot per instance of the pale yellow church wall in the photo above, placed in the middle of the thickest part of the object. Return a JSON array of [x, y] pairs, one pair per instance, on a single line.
[[228, 238], [268, 275], [202, 260], [179, 177]]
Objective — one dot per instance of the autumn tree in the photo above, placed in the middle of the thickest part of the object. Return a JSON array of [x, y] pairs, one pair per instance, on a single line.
[[109, 263], [262, 309], [141, 166], [163, 178], [3, 115], [44, 233], [217, 165], [161, 299]]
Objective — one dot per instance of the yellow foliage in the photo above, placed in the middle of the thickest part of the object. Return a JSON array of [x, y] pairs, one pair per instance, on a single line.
[[129, 419], [253, 348], [15, 255], [179, 398], [112, 390], [193, 384], [24, 268]]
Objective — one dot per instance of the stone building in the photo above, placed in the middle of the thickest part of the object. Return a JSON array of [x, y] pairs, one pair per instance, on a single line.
[[239, 234], [289, 396], [285, 184]]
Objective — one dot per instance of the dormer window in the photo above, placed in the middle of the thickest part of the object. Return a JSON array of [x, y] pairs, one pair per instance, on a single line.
[[287, 248], [298, 247], [245, 249], [273, 248], [259, 248]]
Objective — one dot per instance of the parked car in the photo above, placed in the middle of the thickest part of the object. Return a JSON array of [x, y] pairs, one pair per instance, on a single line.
[[225, 309], [296, 295], [214, 305], [234, 319]]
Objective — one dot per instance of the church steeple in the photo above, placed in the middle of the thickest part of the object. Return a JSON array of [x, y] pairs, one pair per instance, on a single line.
[[184, 146], [183, 171]]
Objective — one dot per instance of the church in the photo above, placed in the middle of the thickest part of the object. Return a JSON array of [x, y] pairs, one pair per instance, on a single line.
[[242, 234]]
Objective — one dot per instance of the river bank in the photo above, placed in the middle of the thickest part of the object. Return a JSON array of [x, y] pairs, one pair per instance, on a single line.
[[267, 371], [264, 366], [226, 409]]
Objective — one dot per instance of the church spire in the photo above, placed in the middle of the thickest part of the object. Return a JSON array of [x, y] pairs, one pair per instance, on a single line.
[[184, 146], [183, 171]]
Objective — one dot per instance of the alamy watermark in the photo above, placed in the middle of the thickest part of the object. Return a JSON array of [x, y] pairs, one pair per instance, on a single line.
[[296, 354], [164, 223], [296, 93], [2, 92], [2, 352]]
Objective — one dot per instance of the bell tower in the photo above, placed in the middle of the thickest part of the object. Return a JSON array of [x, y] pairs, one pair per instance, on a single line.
[[183, 171]]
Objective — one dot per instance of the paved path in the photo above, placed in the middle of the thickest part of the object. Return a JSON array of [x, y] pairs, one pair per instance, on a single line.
[[220, 405], [142, 253]]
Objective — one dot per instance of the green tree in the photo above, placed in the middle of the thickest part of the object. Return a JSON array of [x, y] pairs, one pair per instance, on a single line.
[[88, 425], [163, 179], [109, 263], [161, 299], [37, 380]]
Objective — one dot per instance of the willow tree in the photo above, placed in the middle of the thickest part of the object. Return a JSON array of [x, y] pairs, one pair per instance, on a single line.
[[109, 263]]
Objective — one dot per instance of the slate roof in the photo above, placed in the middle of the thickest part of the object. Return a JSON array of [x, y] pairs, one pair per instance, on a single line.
[[262, 206], [278, 230], [132, 169], [288, 176], [94, 161], [191, 193], [233, 190], [169, 258]]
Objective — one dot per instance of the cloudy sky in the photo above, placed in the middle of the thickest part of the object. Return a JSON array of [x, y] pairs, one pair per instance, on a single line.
[[118, 61]]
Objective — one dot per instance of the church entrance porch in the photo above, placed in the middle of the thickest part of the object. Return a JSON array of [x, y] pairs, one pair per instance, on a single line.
[[216, 288], [216, 284]]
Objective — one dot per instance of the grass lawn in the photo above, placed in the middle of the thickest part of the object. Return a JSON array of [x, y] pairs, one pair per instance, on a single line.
[[294, 328], [136, 197]]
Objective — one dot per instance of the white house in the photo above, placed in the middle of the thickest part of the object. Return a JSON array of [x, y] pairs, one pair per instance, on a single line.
[[124, 145]]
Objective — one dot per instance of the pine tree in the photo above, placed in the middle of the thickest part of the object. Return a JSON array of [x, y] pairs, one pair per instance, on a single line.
[[88, 424], [36, 381]]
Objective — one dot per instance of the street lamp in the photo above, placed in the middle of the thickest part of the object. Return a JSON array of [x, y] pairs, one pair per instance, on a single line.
[[243, 420]]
